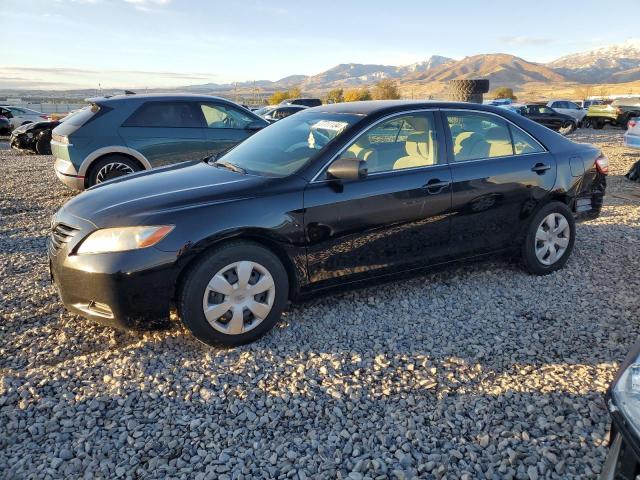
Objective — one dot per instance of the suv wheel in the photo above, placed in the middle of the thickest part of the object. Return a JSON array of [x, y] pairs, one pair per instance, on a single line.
[[111, 167], [549, 239], [234, 295]]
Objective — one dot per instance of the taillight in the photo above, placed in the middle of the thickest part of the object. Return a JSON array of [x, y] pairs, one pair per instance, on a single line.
[[44, 116], [632, 123], [602, 164], [619, 111]]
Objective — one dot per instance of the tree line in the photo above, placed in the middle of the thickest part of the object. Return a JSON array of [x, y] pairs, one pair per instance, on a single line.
[[383, 90]]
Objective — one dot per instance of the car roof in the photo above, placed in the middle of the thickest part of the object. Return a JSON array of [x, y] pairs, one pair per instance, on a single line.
[[157, 96], [371, 107]]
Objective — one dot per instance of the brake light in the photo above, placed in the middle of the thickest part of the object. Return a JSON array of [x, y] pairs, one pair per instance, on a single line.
[[632, 123], [602, 164], [44, 116]]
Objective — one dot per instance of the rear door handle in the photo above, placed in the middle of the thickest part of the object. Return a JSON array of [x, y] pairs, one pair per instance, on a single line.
[[540, 168], [435, 186]]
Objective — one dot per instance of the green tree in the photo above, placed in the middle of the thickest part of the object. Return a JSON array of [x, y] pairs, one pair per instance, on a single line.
[[386, 90], [357, 95], [335, 96], [504, 92]]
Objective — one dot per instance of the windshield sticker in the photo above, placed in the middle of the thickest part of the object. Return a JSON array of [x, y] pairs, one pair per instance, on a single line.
[[331, 125]]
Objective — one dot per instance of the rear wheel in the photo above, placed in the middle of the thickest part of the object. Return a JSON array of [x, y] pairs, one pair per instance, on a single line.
[[111, 167], [234, 295], [597, 124], [549, 240]]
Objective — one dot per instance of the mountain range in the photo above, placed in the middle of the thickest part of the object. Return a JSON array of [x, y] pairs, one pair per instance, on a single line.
[[614, 64]]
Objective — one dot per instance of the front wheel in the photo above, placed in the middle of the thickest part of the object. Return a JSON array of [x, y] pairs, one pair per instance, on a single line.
[[43, 145], [549, 239], [567, 128], [234, 295]]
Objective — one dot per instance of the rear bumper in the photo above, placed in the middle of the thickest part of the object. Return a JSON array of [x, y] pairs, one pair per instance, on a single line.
[[631, 141], [67, 174]]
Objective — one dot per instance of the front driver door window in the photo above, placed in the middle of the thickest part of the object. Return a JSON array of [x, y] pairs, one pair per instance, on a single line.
[[397, 215], [225, 126]]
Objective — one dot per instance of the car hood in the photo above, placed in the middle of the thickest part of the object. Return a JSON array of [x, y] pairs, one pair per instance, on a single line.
[[131, 199]]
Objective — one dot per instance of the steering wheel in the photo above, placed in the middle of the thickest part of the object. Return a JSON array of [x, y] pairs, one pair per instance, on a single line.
[[228, 122]]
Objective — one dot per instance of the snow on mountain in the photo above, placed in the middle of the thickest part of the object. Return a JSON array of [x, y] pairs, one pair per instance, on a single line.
[[605, 64]]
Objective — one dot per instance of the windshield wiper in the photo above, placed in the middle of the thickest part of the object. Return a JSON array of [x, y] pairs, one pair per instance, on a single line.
[[229, 166]]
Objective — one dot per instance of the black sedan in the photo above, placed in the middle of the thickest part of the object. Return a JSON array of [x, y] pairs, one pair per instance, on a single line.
[[333, 195], [35, 137], [623, 402], [550, 118]]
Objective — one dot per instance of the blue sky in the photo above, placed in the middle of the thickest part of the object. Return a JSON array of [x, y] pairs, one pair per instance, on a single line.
[[156, 43]]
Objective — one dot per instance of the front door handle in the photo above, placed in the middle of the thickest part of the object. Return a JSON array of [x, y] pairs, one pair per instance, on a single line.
[[540, 168], [435, 186]]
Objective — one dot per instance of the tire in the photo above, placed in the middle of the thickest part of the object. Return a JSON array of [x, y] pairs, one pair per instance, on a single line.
[[597, 124], [567, 128], [533, 245], [110, 167], [468, 90], [43, 145], [222, 264]]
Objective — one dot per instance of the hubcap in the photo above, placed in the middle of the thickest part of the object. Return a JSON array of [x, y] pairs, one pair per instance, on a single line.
[[113, 170], [552, 238], [239, 297]]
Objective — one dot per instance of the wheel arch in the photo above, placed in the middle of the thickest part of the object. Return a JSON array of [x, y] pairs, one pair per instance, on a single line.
[[116, 149], [89, 170], [256, 236]]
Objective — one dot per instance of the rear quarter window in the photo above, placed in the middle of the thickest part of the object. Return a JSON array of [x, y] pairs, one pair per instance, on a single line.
[[165, 115]]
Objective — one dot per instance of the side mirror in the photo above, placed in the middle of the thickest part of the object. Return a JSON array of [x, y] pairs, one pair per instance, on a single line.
[[255, 125], [347, 168]]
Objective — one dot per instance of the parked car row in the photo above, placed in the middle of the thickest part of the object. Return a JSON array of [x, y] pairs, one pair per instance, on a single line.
[[618, 113]]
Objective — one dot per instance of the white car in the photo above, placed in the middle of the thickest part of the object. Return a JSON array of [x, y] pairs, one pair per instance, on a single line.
[[632, 135], [21, 115], [568, 108]]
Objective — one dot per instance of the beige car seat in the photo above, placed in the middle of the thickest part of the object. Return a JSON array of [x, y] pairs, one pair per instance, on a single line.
[[420, 150], [499, 142], [362, 150], [470, 146]]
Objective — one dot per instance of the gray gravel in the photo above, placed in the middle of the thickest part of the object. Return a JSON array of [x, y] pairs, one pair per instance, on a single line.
[[481, 371]]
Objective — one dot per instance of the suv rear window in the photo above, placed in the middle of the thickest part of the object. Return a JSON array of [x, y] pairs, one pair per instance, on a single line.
[[165, 115], [81, 117]]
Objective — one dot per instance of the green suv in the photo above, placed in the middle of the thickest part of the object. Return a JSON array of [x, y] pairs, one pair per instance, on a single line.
[[118, 135]]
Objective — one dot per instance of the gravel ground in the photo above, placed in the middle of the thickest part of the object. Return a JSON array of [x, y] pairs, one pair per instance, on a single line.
[[480, 371]]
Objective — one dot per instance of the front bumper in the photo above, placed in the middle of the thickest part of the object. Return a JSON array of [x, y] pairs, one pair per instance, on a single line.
[[67, 174], [22, 141], [623, 459], [126, 289]]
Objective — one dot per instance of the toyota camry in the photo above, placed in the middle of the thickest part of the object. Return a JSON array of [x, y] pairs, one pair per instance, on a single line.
[[337, 194]]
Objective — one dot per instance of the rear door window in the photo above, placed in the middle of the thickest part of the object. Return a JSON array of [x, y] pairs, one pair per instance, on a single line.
[[477, 135], [165, 115]]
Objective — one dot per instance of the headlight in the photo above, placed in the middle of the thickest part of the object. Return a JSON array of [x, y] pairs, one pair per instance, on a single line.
[[123, 238], [626, 394]]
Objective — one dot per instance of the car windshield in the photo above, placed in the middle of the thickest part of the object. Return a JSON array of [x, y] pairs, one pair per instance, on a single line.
[[286, 146], [263, 110]]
